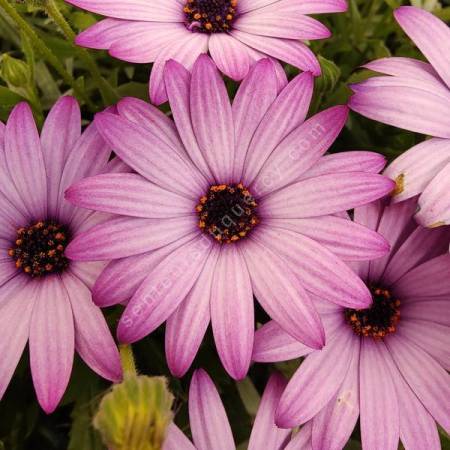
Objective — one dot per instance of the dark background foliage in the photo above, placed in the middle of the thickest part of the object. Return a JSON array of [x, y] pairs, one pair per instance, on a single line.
[[366, 32]]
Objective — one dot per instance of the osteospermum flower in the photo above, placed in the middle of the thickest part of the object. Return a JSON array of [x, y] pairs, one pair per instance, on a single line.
[[45, 298], [416, 97], [385, 364], [236, 33], [209, 423], [228, 202]]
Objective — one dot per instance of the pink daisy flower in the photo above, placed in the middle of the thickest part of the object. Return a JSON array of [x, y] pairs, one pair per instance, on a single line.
[[45, 299], [228, 202], [209, 423], [416, 97], [385, 364], [236, 33]]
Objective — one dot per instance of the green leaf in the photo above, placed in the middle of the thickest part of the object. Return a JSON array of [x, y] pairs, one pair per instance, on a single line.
[[249, 396]]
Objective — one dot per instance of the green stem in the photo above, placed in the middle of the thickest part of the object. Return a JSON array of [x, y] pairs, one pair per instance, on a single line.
[[41, 47], [127, 360], [108, 94]]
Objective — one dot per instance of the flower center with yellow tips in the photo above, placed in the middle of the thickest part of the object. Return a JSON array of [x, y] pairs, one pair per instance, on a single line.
[[227, 212], [39, 248], [380, 319], [210, 16]]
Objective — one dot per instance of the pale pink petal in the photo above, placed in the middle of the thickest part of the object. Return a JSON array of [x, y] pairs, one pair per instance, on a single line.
[[302, 440], [311, 387], [319, 271], [121, 277], [125, 236], [379, 412], [430, 34], [434, 310], [434, 203], [432, 278], [417, 427], [405, 67], [285, 114], [147, 115], [265, 434], [156, 11], [61, 130], [345, 238], [208, 419], [148, 155], [252, 100], [427, 378], [334, 424], [230, 55], [128, 195], [415, 168], [163, 290], [178, 84], [7, 269], [290, 51], [212, 119], [326, 194], [280, 293], [52, 342], [276, 21], [15, 315], [176, 440], [232, 314], [87, 271], [93, 340], [185, 51], [300, 150], [186, 327], [414, 105], [25, 160]]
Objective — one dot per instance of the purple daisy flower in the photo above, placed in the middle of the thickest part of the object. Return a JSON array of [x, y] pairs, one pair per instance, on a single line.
[[45, 299], [385, 364], [209, 423], [236, 33], [228, 202], [416, 97]]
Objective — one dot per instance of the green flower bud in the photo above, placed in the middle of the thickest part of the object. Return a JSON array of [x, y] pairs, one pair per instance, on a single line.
[[14, 71], [135, 414]]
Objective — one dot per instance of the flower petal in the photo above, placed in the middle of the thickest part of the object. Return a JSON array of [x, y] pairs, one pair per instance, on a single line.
[[24, 157], [285, 114], [212, 118], [61, 130], [319, 271], [176, 440], [148, 155], [93, 340], [379, 414], [430, 34], [252, 100], [300, 150], [209, 423], [186, 327], [232, 314], [311, 387], [163, 290], [427, 378], [129, 195], [265, 434], [15, 315], [157, 11], [326, 194], [282, 296], [125, 236], [52, 343]]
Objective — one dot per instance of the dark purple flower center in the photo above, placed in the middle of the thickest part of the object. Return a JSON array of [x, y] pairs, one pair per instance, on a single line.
[[39, 248], [380, 319], [210, 16], [227, 212]]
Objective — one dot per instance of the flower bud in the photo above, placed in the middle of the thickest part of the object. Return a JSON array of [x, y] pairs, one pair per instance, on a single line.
[[14, 71], [135, 414]]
